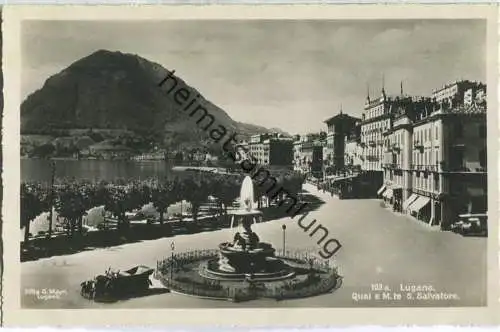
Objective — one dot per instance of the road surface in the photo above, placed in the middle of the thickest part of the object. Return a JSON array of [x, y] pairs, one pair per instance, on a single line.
[[381, 249]]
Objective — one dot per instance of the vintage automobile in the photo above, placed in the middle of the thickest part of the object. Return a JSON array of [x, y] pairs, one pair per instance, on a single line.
[[117, 284], [471, 224]]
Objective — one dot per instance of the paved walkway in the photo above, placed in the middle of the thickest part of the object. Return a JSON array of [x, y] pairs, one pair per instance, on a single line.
[[379, 247]]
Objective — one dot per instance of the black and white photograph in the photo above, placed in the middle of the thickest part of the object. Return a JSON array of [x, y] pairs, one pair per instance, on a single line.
[[261, 163]]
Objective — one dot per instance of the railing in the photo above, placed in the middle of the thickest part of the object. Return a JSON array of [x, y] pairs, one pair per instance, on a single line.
[[372, 158], [324, 281]]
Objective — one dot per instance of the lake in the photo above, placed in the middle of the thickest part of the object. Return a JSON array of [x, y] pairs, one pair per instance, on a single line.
[[40, 170]]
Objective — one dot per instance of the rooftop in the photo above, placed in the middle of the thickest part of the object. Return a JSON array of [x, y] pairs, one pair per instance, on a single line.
[[339, 117]]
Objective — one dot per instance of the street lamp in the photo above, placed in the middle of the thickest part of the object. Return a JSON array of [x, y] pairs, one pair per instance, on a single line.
[[284, 229], [172, 246]]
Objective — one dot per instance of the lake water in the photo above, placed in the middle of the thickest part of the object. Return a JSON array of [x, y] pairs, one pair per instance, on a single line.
[[40, 170]]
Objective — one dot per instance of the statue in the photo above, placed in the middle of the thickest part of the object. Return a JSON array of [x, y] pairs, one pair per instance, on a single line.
[[247, 240], [245, 254]]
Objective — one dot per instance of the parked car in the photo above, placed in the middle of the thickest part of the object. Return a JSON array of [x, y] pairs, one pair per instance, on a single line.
[[471, 224], [114, 285]]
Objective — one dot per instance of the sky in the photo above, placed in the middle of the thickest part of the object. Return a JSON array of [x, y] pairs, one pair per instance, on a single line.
[[291, 74]]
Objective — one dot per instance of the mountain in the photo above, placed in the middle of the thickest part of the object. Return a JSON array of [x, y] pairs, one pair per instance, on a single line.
[[118, 92]]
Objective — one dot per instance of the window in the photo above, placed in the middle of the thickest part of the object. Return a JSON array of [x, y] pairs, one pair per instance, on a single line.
[[457, 158], [436, 182], [437, 132], [482, 131], [459, 130], [482, 158]]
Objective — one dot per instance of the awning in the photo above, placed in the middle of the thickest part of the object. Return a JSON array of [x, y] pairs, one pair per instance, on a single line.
[[409, 201], [388, 193], [343, 178], [381, 190], [476, 191], [419, 204]]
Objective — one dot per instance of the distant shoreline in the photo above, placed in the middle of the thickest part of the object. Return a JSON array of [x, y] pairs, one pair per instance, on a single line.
[[92, 159]]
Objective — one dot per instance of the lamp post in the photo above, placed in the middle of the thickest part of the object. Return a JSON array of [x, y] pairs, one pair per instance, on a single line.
[[283, 227], [172, 246], [51, 196]]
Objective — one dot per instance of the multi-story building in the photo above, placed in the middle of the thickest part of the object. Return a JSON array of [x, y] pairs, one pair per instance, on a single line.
[[312, 155], [436, 156], [271, 149], [278, 151], [398, 155], [338, 127], [455, 93], [256, 148], [353, 149], [375, 121]]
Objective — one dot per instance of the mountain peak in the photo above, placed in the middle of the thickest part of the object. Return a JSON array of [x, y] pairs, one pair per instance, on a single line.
[[115, 90]]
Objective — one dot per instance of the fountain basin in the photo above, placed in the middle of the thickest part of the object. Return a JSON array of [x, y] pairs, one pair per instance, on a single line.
[[236, 260]]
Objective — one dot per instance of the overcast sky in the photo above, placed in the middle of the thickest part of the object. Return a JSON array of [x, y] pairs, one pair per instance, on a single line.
[[287, 74]]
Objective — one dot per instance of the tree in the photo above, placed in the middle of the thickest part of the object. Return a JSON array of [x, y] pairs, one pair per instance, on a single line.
[[119, 198], [163, 195], [72, 201], [114, 202], [196, 191], [91, 199], [33, 203], [226, 189], [43, 151]]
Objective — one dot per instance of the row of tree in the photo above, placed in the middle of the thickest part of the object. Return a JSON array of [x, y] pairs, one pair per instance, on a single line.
[[72, 199]]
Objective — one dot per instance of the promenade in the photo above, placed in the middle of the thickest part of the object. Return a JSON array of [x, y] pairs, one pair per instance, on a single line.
[[379, 247]]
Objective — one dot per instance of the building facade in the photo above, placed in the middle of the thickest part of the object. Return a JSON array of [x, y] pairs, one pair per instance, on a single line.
[[278, 151], [436, 155], [458, 92], [353, 150], [271, 149], [375, 121], [338, 128], [398, 150]]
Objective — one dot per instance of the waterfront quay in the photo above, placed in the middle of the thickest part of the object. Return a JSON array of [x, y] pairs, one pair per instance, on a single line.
[[380, 250]]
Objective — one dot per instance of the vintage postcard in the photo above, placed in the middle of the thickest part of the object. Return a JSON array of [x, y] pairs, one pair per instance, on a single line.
[[250, 166]]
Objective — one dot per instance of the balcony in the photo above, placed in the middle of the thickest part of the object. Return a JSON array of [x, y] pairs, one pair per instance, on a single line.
[[418, 146], [394, 166], [372, 144], [432, 168], [372, 158], [396, 148]]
